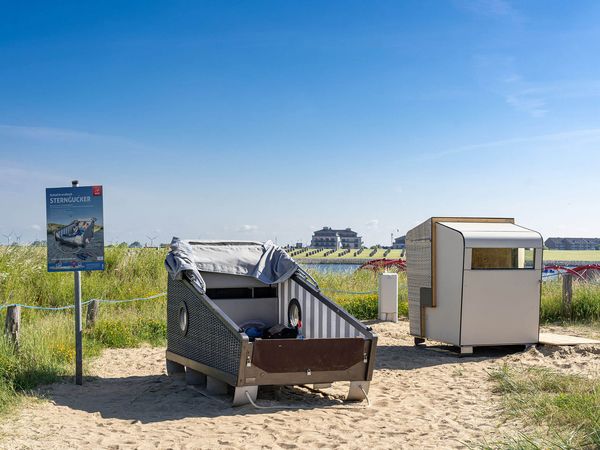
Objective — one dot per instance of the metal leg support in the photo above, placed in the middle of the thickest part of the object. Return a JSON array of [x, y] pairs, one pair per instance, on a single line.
[[239, 395], [355, 393], [174, 368], [466, 350], [216, 387], [194, 377]]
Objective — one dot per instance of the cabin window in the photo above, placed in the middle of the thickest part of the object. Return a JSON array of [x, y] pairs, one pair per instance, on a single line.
[[184, 318], [502, 258]]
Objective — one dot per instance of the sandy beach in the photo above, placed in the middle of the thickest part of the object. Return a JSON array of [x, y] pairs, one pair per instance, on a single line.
[[421, 398]]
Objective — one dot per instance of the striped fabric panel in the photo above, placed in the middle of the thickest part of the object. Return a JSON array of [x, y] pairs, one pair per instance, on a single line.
[[318, 320]]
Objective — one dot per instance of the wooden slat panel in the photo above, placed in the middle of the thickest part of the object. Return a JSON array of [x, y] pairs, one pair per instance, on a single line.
[[298, 355]]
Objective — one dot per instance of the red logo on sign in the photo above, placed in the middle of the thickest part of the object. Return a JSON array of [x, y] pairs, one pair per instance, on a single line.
[[96, 191]]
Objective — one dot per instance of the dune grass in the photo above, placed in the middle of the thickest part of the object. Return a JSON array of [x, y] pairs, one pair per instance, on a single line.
[[46, 349], [363, 306], [585, 305], [129, 273], [565, 406], [45, 353]]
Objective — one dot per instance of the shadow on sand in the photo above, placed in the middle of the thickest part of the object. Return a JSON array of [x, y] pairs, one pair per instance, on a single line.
[[409, 357], [156, 398]]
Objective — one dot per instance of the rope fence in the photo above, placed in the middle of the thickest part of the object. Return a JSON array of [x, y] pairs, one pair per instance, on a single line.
[[99, 300], [12, 325], [13, 310], [42, 308], [375, 291], [554, 275], [337, 291]]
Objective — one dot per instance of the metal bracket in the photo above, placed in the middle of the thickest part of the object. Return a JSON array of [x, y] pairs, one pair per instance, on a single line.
[[426, 297]]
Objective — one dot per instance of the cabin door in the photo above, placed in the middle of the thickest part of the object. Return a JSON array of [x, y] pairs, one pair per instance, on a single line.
[[501, 296]]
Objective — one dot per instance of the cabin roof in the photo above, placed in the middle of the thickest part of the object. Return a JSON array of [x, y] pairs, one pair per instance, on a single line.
[[496, 235]]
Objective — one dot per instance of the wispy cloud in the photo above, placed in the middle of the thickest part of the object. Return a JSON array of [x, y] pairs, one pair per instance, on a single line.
[[247, 228], [535, 106], [15, 175], [502, 76], [522, 95], [493, 8], [43, 133], [499, 75], [534, 97], [372, 224], [53, 134], [586, 135]]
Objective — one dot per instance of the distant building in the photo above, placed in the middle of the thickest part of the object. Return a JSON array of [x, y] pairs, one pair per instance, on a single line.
[[336, 239], [555, 243], [399, 242]]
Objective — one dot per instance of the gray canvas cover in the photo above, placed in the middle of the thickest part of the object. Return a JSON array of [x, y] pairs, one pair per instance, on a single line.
[[266, 262]]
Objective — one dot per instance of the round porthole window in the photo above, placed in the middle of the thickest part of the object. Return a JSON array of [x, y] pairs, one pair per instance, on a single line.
[[183, 318], [294, 313]]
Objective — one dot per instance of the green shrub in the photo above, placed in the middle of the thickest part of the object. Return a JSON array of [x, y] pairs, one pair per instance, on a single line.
[[114, 334], [130, 324], [364, 307], [124, 333]]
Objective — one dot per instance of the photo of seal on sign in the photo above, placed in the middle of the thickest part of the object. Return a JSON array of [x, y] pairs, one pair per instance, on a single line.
[[75, 228]]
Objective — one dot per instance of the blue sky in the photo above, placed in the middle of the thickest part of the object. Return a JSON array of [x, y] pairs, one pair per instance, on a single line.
[[267, 120]]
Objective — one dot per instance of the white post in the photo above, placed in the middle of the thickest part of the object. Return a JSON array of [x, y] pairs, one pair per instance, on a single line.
[[388, 297]]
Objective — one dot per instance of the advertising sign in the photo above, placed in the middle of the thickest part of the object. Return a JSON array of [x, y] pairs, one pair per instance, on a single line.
[[75, 228]]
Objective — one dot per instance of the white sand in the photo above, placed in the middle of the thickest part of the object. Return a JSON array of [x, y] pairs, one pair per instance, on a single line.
[[422, 398]]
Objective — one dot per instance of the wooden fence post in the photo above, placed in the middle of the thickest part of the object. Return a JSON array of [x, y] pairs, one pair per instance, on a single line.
[[567, 296], [13, 323], [92, 313]]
